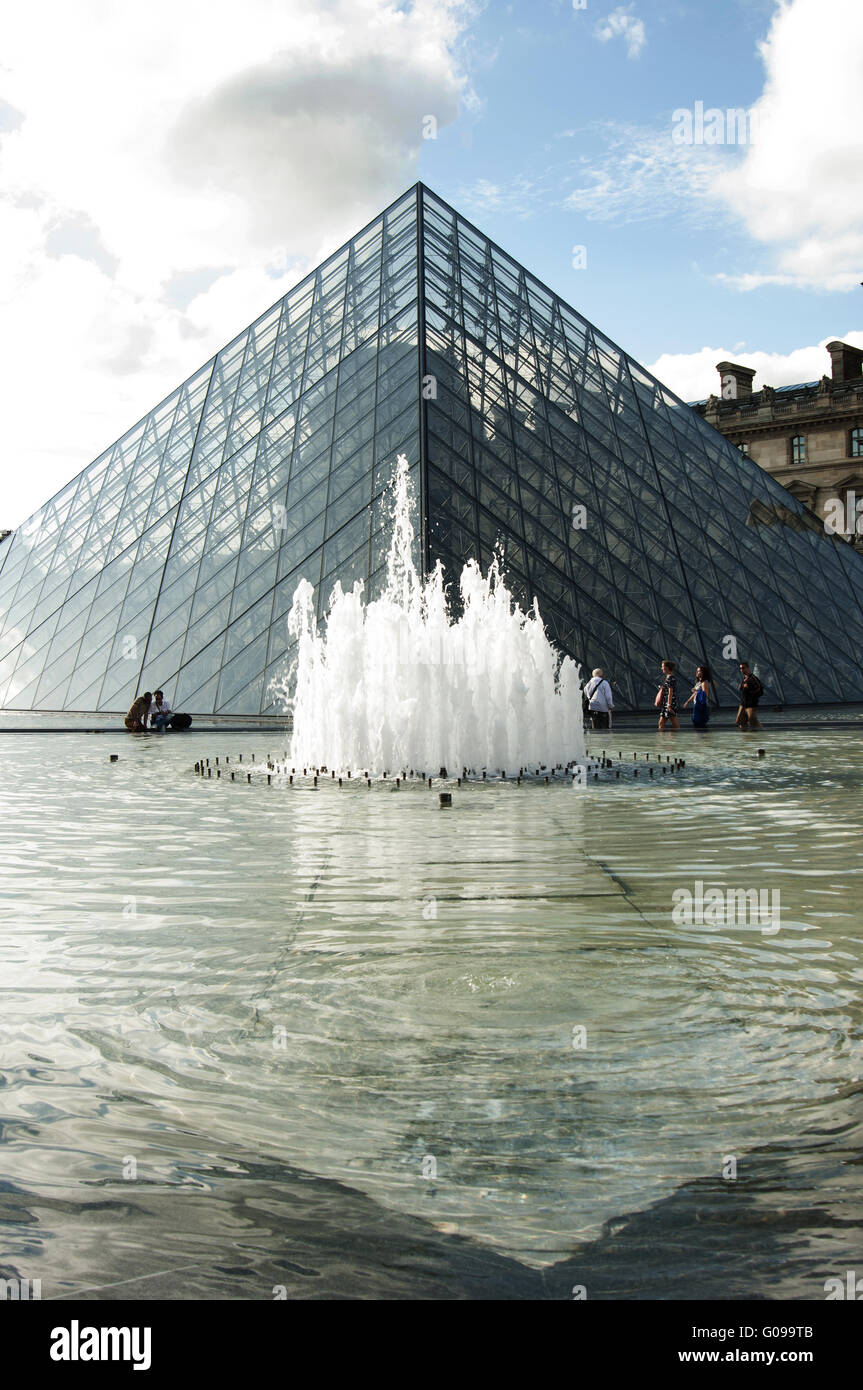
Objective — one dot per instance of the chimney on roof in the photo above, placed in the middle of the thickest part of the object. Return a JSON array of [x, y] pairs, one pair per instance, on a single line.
[[736, 380], [847, 361]]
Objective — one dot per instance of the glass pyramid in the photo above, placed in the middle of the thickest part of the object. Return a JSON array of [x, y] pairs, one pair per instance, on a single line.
[[171, 561]]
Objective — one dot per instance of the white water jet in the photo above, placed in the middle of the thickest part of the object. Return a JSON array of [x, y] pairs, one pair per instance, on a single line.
[[396, 684]]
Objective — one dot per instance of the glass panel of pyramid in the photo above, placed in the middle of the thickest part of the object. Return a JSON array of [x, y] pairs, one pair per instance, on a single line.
[[171, 561], [640, 530]]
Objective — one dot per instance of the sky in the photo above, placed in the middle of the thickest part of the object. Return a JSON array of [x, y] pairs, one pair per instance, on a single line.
[[167, 172]]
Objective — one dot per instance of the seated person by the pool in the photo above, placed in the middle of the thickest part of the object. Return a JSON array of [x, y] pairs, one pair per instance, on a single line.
[[136, 719], [160, 711]]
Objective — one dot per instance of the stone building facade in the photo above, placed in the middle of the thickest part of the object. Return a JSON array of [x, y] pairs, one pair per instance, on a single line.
[[809, 437]]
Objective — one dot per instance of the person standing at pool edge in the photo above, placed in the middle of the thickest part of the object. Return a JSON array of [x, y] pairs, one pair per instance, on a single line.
[[750, 691], [600, 699], [666, 697], [700, 696]]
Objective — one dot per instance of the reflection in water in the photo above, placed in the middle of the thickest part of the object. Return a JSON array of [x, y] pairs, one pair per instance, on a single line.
[[482, 1021]]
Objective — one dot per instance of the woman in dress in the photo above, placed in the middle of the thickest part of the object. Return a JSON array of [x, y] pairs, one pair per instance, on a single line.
[[666, 697], [699, 699]]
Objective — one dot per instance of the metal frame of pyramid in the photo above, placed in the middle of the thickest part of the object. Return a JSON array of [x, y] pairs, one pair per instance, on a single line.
[[171, 561]]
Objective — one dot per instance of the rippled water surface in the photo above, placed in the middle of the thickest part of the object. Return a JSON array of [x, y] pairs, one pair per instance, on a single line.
[[481, 1020]]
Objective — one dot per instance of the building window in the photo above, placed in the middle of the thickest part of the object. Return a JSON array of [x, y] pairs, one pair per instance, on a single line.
[[856, 449], [743, 446], [798, 448]]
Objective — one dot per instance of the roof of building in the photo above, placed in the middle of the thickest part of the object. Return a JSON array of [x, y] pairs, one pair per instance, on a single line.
[[800, 391]]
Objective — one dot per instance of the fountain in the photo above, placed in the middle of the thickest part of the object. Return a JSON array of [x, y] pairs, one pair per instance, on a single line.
[[399, 683]]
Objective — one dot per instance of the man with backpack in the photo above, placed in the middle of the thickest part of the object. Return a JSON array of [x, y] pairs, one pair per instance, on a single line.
[[600, 701], [750, 691]]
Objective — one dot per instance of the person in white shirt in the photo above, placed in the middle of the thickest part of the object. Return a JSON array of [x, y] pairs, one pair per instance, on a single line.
[[600, 699], [160, 711]]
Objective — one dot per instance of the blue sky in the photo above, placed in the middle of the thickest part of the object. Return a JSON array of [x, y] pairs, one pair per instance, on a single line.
[[562, 111], [162, 184], [559, 107]]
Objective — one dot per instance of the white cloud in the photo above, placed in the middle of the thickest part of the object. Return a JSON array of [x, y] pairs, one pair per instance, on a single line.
[[163, 182], [622, 24], [693, 375], [642, 176], [320, 134], [515, 198], [799, 189]]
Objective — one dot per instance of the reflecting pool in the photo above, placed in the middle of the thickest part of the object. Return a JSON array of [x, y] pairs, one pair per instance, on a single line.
[[343, 1040]]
